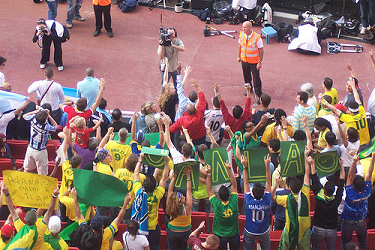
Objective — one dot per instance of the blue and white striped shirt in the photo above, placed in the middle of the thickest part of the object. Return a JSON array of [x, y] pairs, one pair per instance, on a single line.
[[39, 133]]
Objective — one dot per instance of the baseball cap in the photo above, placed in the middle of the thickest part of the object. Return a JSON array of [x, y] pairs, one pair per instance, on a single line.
[[140, 136], [54, 224], [31, 217], [102, 154], [341, 107], [97, 221], [7, 230]]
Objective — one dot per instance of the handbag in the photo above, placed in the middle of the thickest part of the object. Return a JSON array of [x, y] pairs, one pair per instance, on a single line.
[[41, 98]]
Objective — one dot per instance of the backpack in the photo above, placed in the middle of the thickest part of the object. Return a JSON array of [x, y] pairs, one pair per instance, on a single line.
[[328, 27], [351, 27], [66, 35], [85, 239], [128, 5], [283, 31], [204, 14]]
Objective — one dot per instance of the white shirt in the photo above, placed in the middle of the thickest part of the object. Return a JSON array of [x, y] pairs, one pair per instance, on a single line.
[[54, 95], [307, 39], [213, 119], [371, 103], [247, 4], [2, 79], [346, 157], [259, 43], [138, 242]]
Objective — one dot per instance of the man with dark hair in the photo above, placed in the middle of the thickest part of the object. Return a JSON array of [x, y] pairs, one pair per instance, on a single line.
[[302, 110], [225, 223], [350, 95], [117, 122], [325, 111], [265, 101], [88, 87], [49, 92], [326, 204], [105, 117], [283, 188], [154, 194], [31, 234], [258, 203], [296, 234], [239, 115], [328, 90], [50, 31], [356, 116], [193, 119], [330, 139], [213, 118], [36, 153], [270, 133], [354, 214]]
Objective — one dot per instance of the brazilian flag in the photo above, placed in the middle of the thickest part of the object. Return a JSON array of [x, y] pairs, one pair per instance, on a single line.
[[367, 152], [25, 239]]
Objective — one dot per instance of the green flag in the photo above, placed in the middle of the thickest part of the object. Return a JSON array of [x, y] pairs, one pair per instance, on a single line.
[[255, 164], [153, 138], [326, 163], [154, 157], [97, 189], [367, 152], [292, 159], [181, 176], [216, 158], [64, 234]]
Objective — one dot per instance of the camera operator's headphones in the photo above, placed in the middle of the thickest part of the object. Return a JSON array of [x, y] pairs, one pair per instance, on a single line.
[[175, 31]]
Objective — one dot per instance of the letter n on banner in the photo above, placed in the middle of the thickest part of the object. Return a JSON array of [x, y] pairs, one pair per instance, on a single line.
[[216, 158], [255, 164], [292, 159], [181, 176]]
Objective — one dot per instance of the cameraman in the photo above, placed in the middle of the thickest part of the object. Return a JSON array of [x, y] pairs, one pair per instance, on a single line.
[[171, 52], [48, 31]]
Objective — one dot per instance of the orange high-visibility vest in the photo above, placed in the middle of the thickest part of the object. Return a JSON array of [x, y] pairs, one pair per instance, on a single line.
[[249, 49], [101, 2]]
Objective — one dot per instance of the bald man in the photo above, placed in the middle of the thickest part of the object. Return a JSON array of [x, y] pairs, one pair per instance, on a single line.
[[250, 55], [88, 87]]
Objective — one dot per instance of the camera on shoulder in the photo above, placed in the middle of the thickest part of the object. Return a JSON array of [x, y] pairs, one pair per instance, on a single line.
[[165, 37]]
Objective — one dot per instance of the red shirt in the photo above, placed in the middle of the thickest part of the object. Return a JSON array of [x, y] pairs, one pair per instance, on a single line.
[[193, 123], [72, 112], [233, 123], [82, 136], [195, 243]]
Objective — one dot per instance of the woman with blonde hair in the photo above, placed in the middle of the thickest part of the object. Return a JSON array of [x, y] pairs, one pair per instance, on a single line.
[[179, 210], [149, 110], [168, 98]]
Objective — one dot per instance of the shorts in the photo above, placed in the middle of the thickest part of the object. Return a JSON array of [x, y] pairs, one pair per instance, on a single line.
[[36, 159]]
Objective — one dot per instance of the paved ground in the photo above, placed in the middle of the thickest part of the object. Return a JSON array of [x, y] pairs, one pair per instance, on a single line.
[[130, 64]]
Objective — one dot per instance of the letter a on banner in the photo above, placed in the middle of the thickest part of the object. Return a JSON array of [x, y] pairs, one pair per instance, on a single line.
[[216, 158], [292, 158], [181, 176]]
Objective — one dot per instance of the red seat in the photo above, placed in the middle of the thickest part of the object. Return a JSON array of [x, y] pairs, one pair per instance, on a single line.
[[73, 248], [197, 218], [163, 240], [275, 238], [210, 221], [161, 219], [241, 223], [18, 148], [51, 149], [371, 239], [5, 164], [121, 230]]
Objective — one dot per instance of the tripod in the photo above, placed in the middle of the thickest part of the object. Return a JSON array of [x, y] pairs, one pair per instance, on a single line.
[[157, 3]]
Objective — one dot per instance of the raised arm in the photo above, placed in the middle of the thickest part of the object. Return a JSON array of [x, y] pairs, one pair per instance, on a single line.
[[217, 92], [261, 124], [188, 139], [352, 170], [76, 206], [171, 185], [246, 186], [199, 229], [164, 177], [167, 134], [229, 130], [327, 105], [132, 130], [267, 161], [137, 169], [51, 205], [349, 67], [209, 182], [279, 179], [9, 201], [166, 70], [104, 141], [187, 73], [189, 194], [100, 95], [212, 139], [161, 131], [122, 212], [231, 177], [370, 168], [308, 132], [355, 92], [306, 179], [98, 123], [342, 133]]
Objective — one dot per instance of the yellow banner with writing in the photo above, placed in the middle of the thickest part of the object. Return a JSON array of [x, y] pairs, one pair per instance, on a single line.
[[29, 190]]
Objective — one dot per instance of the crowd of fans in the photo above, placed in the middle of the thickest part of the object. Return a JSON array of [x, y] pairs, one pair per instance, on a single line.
[[96, 140]]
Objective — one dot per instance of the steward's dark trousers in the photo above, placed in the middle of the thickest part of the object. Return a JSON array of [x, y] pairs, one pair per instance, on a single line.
[[46, 49], [249, 69], [106, 11]]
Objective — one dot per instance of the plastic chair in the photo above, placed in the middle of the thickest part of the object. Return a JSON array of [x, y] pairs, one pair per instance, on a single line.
[[18, 148], [197, 218], [163, 240], [269, 32], [5, 164]]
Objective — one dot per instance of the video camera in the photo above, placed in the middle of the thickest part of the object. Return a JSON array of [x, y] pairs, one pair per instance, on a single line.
[[163, 34]]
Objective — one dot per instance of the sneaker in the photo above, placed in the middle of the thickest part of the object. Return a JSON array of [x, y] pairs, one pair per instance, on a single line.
[[60, 68], [69, 25], [97, 32], [110, 34], [80, 18], [363, 30], [42, 66]]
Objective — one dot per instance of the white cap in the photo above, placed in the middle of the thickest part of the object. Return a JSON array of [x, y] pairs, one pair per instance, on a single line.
[[54, 224]]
